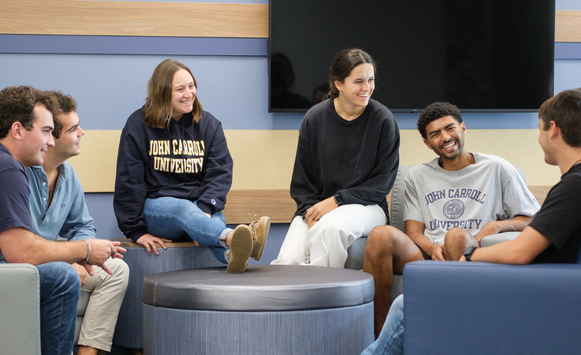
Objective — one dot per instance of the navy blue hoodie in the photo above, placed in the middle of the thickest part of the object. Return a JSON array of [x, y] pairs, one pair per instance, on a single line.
[[187, 160]]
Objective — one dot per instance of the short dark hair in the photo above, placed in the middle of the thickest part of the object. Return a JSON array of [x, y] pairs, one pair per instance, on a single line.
[[565, 110], [343, 63], [17, 105], [66, 105], [435, 111]]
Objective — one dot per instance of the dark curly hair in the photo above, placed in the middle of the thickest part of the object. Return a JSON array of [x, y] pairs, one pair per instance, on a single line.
[[17, 105], [436, 111], [343, 64], [565, 110], [66, 105]]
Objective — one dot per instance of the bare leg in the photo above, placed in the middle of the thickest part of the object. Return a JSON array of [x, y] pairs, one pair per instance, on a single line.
[[455, 243], [85, 350], [387, 251]]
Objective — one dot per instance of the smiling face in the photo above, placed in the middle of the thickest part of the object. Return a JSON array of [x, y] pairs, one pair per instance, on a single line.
[[69, 142], [183, 94], [36, 142], [445, 136], [357, 88]]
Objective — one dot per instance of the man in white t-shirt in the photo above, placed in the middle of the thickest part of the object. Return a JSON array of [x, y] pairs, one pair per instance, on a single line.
[[451, 202]]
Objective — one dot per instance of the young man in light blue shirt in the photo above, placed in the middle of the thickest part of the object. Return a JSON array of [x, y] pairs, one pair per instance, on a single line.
[[58, 209]]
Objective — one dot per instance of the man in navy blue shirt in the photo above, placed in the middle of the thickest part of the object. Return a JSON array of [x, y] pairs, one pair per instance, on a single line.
[[26, 125]]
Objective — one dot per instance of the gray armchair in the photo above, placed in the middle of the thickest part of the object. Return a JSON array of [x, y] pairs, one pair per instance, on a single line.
[[20, 309]]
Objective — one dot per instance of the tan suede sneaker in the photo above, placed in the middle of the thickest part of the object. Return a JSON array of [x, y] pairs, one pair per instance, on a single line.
[[240, 249], [260, 231]]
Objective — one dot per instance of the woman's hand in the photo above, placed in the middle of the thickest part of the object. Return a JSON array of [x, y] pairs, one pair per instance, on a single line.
[[319, 210], [148, 241]]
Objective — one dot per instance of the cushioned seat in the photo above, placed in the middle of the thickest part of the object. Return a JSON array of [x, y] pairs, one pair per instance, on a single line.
[[269, 309]]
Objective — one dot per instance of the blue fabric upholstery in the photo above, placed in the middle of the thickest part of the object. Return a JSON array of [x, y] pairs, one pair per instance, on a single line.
[[480, 308]]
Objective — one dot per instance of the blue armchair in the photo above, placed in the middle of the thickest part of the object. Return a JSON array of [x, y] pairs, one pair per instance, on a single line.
[[481, 308]]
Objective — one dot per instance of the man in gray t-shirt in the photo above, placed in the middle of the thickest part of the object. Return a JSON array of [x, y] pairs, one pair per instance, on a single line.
[[451, 202]]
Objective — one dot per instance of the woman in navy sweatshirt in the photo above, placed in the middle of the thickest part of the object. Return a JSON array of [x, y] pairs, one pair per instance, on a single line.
[[174, 171], [346, 163]]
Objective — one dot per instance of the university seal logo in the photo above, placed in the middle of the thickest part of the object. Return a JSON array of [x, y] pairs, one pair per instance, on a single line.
[[454, 209]]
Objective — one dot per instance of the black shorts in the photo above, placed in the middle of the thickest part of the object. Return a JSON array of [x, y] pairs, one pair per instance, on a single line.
[[426, 256]]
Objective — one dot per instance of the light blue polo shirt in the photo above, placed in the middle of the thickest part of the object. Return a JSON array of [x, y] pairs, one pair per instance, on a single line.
[[67, 216]]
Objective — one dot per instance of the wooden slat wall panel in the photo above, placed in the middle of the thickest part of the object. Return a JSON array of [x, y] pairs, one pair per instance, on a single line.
[[242, 204], [568, 26], [133, 18], [280, 207], [130, 18]]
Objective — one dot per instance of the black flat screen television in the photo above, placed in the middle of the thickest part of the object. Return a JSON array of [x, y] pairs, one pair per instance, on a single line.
[[482, 55]]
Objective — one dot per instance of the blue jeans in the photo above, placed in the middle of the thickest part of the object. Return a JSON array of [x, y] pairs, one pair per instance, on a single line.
[[172, 218], [390, 340], [60, 287]]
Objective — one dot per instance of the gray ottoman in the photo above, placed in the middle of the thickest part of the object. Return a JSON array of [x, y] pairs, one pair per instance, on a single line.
[[269, 309], [178, 256]]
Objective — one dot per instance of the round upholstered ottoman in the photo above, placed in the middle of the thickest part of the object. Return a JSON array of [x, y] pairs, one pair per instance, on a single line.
[[269, 309], [178, 256]]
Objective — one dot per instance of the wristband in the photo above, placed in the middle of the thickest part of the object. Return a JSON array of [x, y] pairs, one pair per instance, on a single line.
[[89, 253], [468, 253], [338, 199]]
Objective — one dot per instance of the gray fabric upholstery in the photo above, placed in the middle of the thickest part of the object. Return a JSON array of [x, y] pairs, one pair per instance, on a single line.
[[397, 197], [129, 329], [336, 331], [260, 288], [19, 309], [269, 309], [20, 282]]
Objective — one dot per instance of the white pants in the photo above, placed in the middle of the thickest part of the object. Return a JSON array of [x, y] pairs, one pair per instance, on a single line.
[[326, 243], [107, 292]]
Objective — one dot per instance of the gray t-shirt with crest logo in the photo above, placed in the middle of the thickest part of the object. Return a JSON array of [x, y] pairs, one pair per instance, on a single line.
[[489, 190]]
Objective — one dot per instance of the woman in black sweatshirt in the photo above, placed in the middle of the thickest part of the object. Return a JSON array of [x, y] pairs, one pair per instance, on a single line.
[[346, 163], [174, 171]]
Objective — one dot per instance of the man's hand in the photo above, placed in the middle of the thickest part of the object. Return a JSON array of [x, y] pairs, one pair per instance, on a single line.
[[101, 250], [437, 253], [148, 241], [315, 213], [490, 228], [518, 223], [82, 271]]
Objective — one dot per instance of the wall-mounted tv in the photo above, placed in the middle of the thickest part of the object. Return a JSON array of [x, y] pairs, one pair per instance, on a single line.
[[482, 55]]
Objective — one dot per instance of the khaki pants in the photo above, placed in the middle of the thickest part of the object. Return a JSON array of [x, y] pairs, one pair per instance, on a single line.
[[107, 292]]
